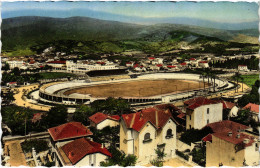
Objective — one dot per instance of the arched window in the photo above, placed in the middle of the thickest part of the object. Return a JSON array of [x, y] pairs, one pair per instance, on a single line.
[[169, 134], [147, 137]]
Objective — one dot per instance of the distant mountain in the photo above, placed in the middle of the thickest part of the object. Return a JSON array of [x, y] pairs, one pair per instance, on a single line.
[[135, 19], [31, 30]]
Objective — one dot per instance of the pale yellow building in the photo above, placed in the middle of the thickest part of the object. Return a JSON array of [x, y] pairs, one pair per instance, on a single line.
[[143, 132]]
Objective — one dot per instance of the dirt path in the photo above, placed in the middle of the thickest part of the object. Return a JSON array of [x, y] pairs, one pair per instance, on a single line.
[[17, 157], [20, 102]]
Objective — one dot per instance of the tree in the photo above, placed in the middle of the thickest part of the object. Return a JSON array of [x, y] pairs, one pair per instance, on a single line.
[[9, 97], [82, 113], [237, 77], [57, 115], [119, 158], [16, 71], [111, 106]]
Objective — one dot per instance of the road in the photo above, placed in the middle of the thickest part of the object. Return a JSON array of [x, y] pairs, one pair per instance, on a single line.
[[19, 101]]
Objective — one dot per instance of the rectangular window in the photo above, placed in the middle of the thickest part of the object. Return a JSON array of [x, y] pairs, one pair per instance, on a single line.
[[207, 121], [190, 117], [207, 110]]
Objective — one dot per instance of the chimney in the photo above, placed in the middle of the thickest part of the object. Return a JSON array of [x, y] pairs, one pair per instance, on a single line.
[[102, 145], [230, 134]]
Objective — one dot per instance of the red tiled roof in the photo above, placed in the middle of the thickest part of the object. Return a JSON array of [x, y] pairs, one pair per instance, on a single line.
[[226, 104], [12, 83], [41, 66], [181, 115], [157, 116], [207, 138], [128, 63], [57, 62], [79, 148], [226, 126], [99, 117], [199, 101], [242, 65], [158, 65], [234, 139], [192, 59], [136, 65], [102, 63], [69, 130], [184, 63], [151, 58], [171, 66], [203, 62], [252, 107]]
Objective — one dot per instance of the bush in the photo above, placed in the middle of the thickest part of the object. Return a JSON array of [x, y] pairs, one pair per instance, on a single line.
[[38, 145], [181, 154]]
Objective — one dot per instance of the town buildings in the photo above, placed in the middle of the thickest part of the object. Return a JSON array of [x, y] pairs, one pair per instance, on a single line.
[[143, 132], [72, 146]]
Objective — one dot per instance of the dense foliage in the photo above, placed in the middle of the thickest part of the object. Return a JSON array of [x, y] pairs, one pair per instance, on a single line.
[[119, 159], [106, 135], [57, 115], [251, 63], [252, 97], [195, 135], [37, 144], [111, 106], [82, 113], [199, 156]]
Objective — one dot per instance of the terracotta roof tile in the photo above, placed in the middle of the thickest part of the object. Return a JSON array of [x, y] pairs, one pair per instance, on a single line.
[[199, 101], [252, 107], [79, 148], [157, 116], [99, 117], [69, 130], [226, 126]]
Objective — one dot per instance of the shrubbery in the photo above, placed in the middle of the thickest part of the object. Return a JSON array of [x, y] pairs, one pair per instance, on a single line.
[[38, 145]]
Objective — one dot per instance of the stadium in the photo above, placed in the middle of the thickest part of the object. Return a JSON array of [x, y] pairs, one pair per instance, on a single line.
[[160, 87]]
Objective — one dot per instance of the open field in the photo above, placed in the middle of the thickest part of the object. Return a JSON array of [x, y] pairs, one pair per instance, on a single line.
[[250, 79], [143, 88]]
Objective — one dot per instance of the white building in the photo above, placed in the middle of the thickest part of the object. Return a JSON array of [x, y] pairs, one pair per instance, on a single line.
[[101, 120], [203, 64], [242, 68], [85, 66], [143, 132], [201, 111], [14, 64], [58, 65]]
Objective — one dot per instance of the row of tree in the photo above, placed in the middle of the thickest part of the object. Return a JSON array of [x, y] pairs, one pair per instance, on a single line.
[[251, 63]]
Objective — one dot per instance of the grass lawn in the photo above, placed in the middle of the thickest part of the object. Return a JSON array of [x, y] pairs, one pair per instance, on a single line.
[[250, 79], [54, 75]]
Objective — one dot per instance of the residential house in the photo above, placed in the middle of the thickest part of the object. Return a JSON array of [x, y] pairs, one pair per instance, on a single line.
[[231, 145], [201, 111], [254, 110], [229, 109], [203, 64], [242, 68], [143, 132], [64, 134], [101, 120], [82, 152]]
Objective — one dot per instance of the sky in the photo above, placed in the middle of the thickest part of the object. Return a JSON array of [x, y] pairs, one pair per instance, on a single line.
[[146, 12]]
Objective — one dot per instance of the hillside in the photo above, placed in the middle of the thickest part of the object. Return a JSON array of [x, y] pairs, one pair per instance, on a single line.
[[21, 34]]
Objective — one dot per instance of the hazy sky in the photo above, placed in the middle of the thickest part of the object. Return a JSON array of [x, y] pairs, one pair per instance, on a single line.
[[218, 12]]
